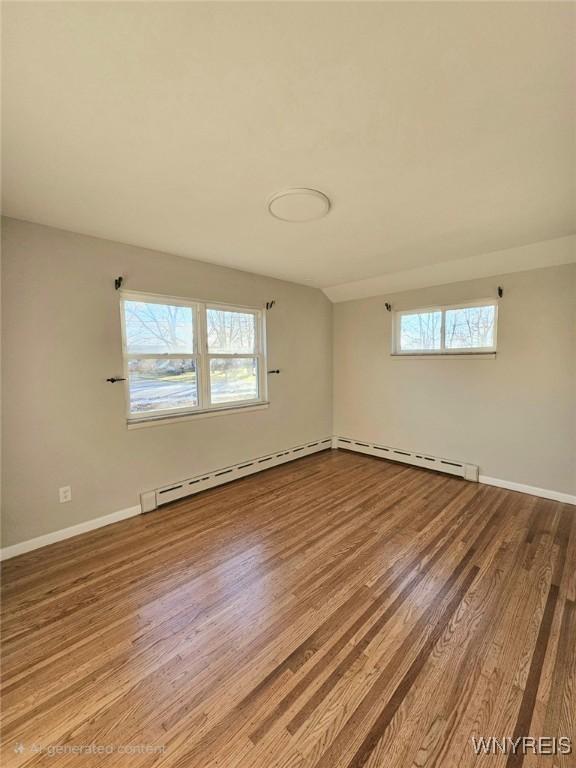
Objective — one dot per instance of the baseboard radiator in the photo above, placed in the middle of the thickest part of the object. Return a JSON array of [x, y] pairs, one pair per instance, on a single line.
[[151, 500], [449, 466]]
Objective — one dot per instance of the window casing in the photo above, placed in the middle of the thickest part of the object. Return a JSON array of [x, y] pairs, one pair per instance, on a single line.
[[455, 329], [184, 357]]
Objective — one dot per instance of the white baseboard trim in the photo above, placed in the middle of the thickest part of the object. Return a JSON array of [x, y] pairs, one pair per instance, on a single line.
[[123, 514], [159, 496], [67, 533], [532, 490], [468, 471], [416, 459], [171, 493]]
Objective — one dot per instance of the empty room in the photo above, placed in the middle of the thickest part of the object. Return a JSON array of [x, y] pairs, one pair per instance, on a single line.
[[288, 384]]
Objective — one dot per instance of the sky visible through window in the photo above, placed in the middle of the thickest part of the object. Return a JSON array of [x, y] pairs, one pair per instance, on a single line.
[[464, 328], [421, 331], [158, 328]]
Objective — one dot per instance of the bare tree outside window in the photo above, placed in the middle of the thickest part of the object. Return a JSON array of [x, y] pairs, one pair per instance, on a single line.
[[166, 382], [158, 328], [469, 327], [421, 331], [446, 330], [230, 332]]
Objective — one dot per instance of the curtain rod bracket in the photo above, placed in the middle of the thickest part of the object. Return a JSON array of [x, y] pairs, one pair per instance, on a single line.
[[118, 282]]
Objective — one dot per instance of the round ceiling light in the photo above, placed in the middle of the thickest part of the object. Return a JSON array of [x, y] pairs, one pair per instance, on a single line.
[[299, 205]]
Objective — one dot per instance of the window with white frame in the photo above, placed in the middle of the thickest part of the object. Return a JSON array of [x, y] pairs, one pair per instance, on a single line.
[[185, 357], [448, 330]]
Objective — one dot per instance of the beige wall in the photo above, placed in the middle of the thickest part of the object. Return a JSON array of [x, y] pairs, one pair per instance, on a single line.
[[514, 415], [64, 425]]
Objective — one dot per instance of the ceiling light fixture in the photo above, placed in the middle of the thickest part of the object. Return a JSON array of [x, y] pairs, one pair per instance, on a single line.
[[299, 205]]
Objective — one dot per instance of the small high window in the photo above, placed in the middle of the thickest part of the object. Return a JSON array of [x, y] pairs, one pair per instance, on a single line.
[[457, 329]]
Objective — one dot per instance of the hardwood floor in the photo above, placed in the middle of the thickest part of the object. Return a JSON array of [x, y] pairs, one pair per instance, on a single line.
[[338, 611]]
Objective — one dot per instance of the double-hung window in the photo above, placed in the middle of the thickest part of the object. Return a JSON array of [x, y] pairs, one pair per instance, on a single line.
[[186, 357], [448, 330]]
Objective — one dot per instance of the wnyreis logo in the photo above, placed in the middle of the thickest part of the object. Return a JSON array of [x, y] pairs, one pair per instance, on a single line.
[[523, 745]]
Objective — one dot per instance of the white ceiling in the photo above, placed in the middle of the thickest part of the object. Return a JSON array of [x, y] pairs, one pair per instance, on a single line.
[[440, 131]]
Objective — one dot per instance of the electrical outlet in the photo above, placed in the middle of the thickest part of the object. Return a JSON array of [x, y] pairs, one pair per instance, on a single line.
[[65, 494]]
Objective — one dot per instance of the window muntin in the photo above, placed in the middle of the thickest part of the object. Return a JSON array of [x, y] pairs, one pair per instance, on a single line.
[[457, 329], [185, 356]]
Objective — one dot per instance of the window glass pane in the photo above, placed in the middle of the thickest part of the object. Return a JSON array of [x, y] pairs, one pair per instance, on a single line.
[[470, 327], [159, 385], [230, 332], [233, 379], [158, 328], [420, 332]]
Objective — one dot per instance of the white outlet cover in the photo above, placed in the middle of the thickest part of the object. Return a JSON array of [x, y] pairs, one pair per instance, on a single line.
[[65, 494]]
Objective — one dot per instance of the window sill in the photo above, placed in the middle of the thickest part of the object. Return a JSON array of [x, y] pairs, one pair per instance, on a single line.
[[158, 421], [443, 355]]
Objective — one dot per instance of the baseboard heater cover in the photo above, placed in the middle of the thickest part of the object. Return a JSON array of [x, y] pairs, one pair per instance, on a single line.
[[153, 499], [450, 466]]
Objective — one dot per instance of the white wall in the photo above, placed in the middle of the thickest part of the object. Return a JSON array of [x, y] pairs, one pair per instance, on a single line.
[[64, 425], [514, 415]]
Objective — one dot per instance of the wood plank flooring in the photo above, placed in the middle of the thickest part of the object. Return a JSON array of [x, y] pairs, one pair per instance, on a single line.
[[339, 611]]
